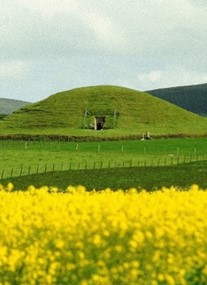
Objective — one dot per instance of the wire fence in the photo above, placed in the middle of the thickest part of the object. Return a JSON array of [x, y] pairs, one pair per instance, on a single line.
[[40, 168]]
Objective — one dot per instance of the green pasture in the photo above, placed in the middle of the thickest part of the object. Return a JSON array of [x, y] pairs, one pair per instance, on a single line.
[[20, 158], [149, 178]]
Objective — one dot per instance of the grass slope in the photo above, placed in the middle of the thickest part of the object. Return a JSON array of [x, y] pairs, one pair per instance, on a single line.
[[192, 98], [135, 112], [7, 106], [140, 177]]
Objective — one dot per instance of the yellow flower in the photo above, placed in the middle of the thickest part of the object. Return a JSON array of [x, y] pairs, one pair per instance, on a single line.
[[105, 238], [10, 187]]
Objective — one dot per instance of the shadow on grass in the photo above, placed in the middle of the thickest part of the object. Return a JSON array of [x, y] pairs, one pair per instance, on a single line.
[[149, 178]]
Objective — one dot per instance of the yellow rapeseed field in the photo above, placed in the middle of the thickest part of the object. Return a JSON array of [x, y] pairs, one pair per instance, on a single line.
[[103, 238]]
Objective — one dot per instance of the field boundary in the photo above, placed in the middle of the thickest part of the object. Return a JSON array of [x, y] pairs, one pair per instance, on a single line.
[[95, 138], [41, 168]]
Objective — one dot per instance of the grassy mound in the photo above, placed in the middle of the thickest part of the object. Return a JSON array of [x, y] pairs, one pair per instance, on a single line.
[[125, 111]]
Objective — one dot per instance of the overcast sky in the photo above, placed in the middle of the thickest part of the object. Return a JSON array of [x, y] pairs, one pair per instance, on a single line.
[[47, 46]]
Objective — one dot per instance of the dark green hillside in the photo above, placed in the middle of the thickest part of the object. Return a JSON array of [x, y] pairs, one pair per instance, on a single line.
[[7, 106], [192, 98], [125, 111], [2, 116]]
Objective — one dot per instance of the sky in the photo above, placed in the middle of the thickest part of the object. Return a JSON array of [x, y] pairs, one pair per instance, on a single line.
[[47, 46]]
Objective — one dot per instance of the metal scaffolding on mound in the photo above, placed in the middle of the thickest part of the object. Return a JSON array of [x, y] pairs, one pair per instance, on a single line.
[[98, 119]]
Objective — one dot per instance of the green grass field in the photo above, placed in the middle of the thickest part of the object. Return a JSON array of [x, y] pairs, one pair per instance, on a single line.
[[149, 178], [115, 164], [128, 113], [17, 155]]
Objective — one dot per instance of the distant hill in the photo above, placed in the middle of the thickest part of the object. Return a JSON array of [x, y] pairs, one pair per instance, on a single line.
[[119, 110], [192, 98], [8, 106]]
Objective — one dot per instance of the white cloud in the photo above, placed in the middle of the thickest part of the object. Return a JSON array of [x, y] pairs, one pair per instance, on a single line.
[[107, 34], [50, 8], [171, 76], [179, 75], [155, 28], [148, 43], [150, 77], [199, 3], [102, 27], [14, 70]]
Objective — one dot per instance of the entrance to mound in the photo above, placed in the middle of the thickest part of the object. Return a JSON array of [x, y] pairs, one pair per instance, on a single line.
[[99, 122], [100, 119]]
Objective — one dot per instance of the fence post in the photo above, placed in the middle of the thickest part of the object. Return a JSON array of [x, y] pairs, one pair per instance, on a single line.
[[11, 173], [45, 167], [29, 169], [21, 169], [77, 146], [2, 174], [53, 167], [37, 168]]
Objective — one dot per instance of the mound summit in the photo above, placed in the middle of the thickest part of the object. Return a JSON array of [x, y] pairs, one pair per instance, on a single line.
[[111, 108]]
